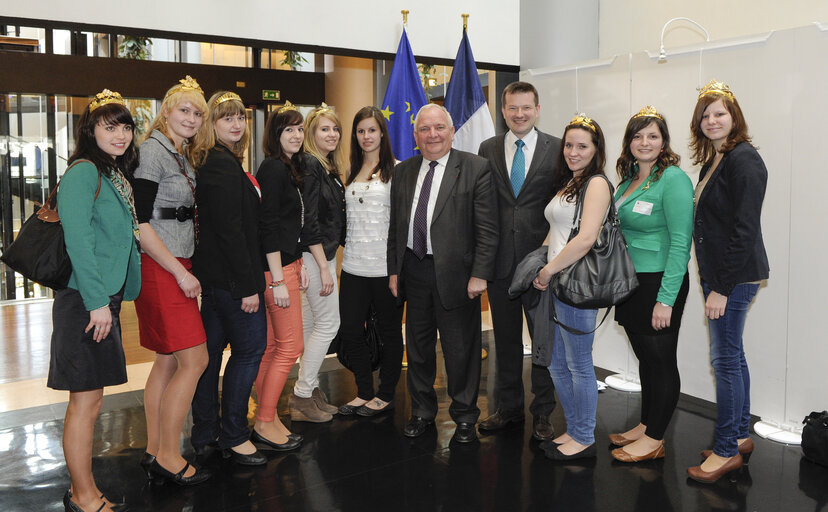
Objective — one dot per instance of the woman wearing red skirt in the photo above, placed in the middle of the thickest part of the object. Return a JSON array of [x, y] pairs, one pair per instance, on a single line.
[[168, 316]]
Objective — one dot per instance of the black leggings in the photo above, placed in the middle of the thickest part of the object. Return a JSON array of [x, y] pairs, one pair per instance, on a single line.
[[356, 294], [660, 380]]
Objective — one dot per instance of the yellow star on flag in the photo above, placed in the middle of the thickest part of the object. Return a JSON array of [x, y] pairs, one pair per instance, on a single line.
[[386, 113]]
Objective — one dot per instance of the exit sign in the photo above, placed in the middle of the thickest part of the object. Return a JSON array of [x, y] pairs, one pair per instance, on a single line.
[[270, 94]]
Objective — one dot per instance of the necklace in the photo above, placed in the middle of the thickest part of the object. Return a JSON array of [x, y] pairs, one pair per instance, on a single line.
[[361, 198]]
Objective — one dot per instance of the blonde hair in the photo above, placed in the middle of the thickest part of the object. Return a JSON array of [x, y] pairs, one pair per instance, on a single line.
[[195, 151], [226, 108], [334, 162]]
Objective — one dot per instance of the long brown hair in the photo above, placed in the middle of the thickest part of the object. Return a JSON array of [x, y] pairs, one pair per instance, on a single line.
[[700, 145], [562, 176], [272, 145], [386, 153], [87, 147], [626, 162]]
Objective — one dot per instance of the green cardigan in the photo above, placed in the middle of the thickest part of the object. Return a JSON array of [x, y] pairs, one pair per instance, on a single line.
[[99, 238], [661, 240]]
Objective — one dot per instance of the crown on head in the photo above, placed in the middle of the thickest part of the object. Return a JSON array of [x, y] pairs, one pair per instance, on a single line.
[[287, 106], [321, 109], [105, 97], [581, 119], [648, 111], [187, 83], [226, 97], [714, 87]]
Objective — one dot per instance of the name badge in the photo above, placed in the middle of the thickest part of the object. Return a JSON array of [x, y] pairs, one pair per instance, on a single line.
[[643, 207]]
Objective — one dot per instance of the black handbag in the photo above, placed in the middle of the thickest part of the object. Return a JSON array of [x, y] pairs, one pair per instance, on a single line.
[[815, 437], [39, 251], [372, 340], [605, 276]]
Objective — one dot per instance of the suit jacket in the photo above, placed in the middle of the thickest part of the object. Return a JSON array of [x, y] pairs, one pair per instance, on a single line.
[[659, 240], [463, 226], [324, 198], [522, 226], [99, 238], [728, 228], [228, 252]]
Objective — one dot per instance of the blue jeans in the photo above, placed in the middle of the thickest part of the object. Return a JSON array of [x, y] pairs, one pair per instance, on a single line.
[[225, 322], [573, 373], [727, 355]]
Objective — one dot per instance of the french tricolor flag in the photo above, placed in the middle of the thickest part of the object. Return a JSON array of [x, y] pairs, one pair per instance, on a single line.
[[466, 103]]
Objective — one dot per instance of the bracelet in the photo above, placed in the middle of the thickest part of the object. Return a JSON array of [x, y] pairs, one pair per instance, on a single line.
[[665, 305], [183, 278], [274, 284]]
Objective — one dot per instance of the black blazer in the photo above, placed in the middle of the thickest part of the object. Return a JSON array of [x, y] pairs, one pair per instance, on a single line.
[[522, 225], [281, 218], [324, 196], [463, 225], [228, 252], [727, 230]]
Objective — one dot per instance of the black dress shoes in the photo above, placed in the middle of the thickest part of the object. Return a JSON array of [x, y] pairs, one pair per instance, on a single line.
[[290, 444], [417, 426], [501, 420], [348, 409], [542, 429], [465, 433], [368, 412], [145, 462], [165, 475], [252, 459]]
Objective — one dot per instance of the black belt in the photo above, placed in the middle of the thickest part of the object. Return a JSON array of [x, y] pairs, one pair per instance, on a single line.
[[182, 213]]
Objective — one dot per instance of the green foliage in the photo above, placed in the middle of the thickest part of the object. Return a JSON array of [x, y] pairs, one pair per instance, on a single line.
[[293, 59], [133, 47]]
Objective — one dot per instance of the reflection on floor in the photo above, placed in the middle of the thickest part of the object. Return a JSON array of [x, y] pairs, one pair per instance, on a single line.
[[367, 464]]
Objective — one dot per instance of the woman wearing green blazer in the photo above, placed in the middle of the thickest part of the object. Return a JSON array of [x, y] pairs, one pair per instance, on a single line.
[[655, 205], [100, 229]]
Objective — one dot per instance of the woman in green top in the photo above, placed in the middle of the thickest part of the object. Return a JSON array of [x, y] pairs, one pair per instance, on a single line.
[[655, 205], [100, 229]]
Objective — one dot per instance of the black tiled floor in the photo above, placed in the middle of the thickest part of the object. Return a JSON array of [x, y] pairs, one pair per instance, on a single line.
[[364, 464]]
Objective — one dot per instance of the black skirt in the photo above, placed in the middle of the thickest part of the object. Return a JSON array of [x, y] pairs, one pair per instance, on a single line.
[[77, 362], [636, 313]]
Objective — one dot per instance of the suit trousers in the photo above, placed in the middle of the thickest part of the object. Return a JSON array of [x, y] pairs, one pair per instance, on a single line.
[[460, 333], [507, 321], [320, 318]]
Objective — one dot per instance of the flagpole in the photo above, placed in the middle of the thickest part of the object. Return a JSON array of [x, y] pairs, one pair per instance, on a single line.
[[404, 13], [465, 17]]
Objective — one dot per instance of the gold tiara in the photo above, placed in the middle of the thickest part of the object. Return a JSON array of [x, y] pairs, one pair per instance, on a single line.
[[321, 109], [287, 106], [187, 83], [582, 120], [106, 97], [714, 87], [648, 111], [226, 97]]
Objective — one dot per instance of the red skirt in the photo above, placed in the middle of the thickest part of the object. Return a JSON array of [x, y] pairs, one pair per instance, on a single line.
[[167, 320]]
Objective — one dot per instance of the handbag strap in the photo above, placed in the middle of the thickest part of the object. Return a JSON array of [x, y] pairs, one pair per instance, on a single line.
[[54, 190], [572, 329], [611, 211]]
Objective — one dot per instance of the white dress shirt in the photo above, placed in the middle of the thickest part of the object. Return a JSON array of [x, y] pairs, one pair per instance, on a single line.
[[439, 170], [529, 141]]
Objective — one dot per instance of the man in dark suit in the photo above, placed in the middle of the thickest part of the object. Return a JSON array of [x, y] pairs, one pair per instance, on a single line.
[[523, 160], [441, 251]]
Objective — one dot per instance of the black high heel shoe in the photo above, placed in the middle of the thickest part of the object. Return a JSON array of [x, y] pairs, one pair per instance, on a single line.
[[146, 462], [164, 475], [71, 506]]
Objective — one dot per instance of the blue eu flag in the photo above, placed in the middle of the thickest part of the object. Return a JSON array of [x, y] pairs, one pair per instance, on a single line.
[[403, 98]]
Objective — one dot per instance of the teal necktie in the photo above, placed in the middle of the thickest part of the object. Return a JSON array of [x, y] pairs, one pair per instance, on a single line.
[[518, 168]]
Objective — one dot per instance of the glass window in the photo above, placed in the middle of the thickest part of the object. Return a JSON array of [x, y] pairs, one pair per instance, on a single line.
[[27, 39]]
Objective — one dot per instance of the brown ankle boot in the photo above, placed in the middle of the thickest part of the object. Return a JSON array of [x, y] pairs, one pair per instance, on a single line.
[[322, 402], [305, 409]]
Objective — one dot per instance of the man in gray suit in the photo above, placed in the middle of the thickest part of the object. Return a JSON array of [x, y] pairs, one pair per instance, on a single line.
[[523, 161], [441, 251]]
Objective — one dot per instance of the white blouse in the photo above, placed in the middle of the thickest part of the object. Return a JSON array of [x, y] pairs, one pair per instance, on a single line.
[[368, 215], [560, 214]]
